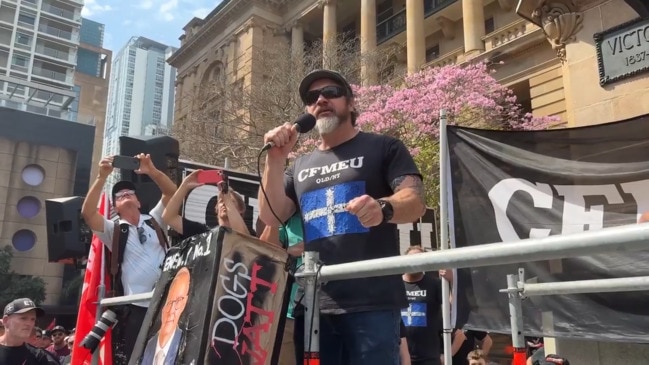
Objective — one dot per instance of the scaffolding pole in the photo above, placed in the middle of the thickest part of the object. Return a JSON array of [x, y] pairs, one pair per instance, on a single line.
[[638, 283], [311, 309], [619, 239], [517, 290], [443, 232]]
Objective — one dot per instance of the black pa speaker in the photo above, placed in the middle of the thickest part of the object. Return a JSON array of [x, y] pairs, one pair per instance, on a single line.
[[68, 236], [164, 151]]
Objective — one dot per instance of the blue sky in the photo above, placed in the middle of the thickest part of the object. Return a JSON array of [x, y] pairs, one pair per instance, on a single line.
[[159, 20]]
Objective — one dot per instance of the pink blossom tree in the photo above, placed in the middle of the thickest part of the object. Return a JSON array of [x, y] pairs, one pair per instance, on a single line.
[[470, 96]]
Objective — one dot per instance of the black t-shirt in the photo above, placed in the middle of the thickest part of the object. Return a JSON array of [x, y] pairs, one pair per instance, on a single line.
[[22, 355], [423, 317], [193, 228], [321, 183], [467, 346]]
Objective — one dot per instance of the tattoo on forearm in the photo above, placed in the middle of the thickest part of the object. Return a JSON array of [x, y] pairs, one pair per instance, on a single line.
[[409, 181]]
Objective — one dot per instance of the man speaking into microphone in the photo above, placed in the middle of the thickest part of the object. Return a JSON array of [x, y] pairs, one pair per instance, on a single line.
[[351, 191]]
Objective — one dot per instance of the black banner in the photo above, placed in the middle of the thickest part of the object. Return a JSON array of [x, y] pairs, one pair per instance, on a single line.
[[509, 186], [218, 301]]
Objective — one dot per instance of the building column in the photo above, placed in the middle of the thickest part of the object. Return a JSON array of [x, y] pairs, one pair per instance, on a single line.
[[297, 41], [329, 34], [297, 47], [368, 43], [473, 21], [232, 67], [416, 39]]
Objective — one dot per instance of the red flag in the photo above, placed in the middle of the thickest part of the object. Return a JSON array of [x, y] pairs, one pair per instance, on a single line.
[[51, 325], [86, 317], [520, 357]]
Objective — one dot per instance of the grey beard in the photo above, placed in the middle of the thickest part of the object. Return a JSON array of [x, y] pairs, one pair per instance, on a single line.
[[327, 125]]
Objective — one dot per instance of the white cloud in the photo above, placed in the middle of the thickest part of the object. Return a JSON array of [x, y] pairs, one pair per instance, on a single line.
[[167, 9], [92, 7], [201, 12], [146, 4]]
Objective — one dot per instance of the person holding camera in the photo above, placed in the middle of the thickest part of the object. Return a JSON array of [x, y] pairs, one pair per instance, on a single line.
[[138, 239], [229, 209]]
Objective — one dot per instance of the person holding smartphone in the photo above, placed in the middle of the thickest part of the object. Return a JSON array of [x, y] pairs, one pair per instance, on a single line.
[[142, 257], [229, 208]]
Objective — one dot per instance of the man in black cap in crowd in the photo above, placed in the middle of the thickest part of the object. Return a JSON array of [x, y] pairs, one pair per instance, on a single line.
[[141, 260], [58, 346], [19, 318], [351, 192]]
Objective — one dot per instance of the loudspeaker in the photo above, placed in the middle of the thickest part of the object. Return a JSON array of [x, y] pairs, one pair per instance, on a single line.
[[164, 151], [68, 236]]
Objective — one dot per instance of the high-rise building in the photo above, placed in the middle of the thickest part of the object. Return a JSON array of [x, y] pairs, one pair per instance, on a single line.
[[38, 54], [91, 78], [141, 91]]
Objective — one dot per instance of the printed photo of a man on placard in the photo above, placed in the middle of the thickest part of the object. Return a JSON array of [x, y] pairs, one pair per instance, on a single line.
[[163, 347]]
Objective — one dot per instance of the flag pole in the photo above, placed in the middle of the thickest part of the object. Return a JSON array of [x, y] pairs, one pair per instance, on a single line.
[[101, 288], [443, 232]]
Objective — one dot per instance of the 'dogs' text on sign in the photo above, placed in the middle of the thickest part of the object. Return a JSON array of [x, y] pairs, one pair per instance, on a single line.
[[623, 51]]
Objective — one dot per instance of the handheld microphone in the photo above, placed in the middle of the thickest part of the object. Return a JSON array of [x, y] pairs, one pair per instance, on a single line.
[[303, 124]]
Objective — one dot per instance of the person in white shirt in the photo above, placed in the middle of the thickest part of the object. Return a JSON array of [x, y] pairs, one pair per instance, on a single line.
[[163, 347], [143, 254]]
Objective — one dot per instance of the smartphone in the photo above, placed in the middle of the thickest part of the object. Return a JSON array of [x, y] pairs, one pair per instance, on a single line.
[[126, 162], [210, 176]]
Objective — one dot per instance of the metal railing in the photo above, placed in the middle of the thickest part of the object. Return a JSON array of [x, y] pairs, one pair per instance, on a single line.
[[55, 53], [55, 31], [397, 22], [63, 13]]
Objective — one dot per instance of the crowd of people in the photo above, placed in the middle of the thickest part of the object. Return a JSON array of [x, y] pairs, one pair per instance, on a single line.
[[344, 199]]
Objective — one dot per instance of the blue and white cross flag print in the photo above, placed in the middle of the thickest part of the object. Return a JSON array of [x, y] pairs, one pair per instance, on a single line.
[[324, 211], [414, 315]]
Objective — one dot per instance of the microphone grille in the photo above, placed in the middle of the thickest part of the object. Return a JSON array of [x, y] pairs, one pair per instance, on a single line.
[[305, 123]]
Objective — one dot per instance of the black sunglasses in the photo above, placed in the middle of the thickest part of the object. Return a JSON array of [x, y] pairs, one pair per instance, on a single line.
[[141, 235], [329, 92]]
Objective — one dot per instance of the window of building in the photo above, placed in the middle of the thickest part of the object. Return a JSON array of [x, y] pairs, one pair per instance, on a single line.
[[19, 60], [523, 96], [432, 53], [489, 25], [24, 39], [384, 11], [26, 19]]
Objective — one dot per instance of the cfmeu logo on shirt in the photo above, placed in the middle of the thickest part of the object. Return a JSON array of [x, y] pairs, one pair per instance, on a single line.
[[414, 315], [325, 214]]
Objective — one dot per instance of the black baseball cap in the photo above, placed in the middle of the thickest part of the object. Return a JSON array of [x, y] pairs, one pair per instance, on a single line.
[[315, 75], [58, 329], [119, 186], [22, 305]]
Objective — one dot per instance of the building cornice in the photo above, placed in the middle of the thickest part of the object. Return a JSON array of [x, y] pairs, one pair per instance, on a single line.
[[213, 23]]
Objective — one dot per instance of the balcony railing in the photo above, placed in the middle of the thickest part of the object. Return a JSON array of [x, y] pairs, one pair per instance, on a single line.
[[55, 75], [397, 23], [451, 58], [63, 13], [508, 33], [51, 52], [433, 6], [391, 27], [65, 34]]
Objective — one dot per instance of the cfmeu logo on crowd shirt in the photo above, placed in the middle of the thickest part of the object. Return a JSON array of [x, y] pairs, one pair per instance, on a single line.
[[414, 315], [325, 214]]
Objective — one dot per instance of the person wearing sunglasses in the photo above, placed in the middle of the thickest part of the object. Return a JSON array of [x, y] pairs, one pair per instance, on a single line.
[[141, 259], [351, 192]]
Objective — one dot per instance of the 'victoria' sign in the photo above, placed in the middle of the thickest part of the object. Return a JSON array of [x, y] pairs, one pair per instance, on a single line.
[[623, 51]]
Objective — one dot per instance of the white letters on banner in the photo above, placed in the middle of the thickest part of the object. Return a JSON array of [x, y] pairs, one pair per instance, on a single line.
[[576, 216]]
